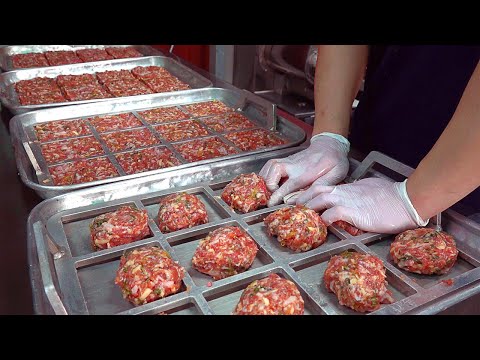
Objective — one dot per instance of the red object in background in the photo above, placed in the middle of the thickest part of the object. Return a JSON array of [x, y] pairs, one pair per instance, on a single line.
[[195, 54]]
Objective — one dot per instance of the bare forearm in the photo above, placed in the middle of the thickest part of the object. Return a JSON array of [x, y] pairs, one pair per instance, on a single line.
[[338, 75], [451, 170]]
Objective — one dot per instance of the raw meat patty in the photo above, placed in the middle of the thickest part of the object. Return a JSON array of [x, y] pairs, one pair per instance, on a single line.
[[298, 228], [424, 251], [247, 192], [147, 274], [120, 227], [181, 211], [272, 295], [358, 281], [225, 252]]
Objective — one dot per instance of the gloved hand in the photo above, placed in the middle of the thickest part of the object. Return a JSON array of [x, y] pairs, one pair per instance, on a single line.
[[375, 205], [324, 162]]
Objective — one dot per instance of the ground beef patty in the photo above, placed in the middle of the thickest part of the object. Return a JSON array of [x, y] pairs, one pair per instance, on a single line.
[[225, 252], [181, 211], [272, 295], [147, 274], [358, 280], [298, 228], [424, 251], [247, 192], [120, 227]]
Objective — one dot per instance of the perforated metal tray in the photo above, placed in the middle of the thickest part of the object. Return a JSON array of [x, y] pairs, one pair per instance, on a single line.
[[68, 277]]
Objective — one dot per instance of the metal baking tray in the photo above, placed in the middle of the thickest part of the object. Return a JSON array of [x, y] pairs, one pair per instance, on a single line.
[[33, 168], [7, 52], [9, 97], [68, 277]]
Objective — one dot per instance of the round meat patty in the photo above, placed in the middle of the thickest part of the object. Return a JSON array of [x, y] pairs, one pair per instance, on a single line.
[[424, 251], [147, 274], [120, 227], [272, 295], [298, 228], [247, 192], [226, 251], [181, 211], [358, 280]]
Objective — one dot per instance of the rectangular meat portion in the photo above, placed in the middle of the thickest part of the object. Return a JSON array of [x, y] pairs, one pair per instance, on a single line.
[[181, 130], [131, 139], [202, 149], [163, 115], [72, 149], [61, 129], [82, 171], [146, 160], [106, 123]]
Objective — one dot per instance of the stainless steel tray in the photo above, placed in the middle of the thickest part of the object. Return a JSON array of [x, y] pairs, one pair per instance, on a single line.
[[69, 278], [7, 52], [33, 169], [9, 98]]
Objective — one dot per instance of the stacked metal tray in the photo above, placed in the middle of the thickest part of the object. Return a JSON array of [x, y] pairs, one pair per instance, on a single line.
[[9, 97], [34, 170], [68, 277], [7, 52]]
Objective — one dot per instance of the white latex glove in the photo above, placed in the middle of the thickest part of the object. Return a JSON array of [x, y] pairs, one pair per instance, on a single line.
[[324, 162], [375, 205]]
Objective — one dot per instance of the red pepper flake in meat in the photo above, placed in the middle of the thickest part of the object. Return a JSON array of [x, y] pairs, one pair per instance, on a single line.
[[298, 228], [214, 107], [181, 130], [254, 139], [123, 52], [202, 149], [272, 295], [225, 252], [246, 192], [146, 160], [447, 282], [424, 251], [71, 149], [115, 122], [163, 115], [228, 122], [23, 61], [147, 274], [88, 55], [181, 211], [358, 281], [60, 129], [62, 57], [130, 139], [120, 227], [82, 171]]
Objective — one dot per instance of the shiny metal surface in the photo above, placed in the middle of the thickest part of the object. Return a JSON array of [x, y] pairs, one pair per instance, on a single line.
[[83, 280], [7, 52], [33, 168], [9, 98]]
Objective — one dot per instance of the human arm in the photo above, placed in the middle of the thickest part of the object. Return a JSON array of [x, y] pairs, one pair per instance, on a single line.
[[338, 76], [448, 173]]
